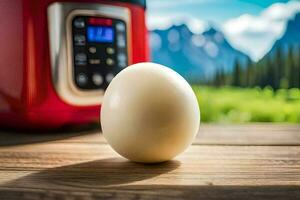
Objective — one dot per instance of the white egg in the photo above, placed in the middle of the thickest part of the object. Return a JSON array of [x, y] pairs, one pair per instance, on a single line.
[[149, 113]]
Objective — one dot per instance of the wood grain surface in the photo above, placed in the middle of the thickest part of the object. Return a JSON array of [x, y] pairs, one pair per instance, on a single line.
[[225, 162]]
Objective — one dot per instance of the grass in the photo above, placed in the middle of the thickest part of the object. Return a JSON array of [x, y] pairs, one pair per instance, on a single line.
[[240, 105]]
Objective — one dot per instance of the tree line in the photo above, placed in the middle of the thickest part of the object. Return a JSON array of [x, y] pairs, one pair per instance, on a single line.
[[279, 69]]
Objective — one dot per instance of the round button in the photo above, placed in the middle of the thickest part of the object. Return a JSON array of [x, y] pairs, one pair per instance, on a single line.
[[109, 61], [110, 50], [97, 79], [109, 77], [82, 79]]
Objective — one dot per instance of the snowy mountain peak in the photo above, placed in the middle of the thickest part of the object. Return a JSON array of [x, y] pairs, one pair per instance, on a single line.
[[195, 56]]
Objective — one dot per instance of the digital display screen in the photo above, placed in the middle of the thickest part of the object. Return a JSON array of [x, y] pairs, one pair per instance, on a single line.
[[100, 34]]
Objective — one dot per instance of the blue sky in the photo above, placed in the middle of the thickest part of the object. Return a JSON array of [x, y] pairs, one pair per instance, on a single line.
[[245, 23], [216, 11]]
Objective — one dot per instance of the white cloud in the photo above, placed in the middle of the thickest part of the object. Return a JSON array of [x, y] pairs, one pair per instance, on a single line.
[[166, 21], [161, 14], [281, 11], [159, 22], [251, 34], [255, 35], [162, 4], [196, 26]]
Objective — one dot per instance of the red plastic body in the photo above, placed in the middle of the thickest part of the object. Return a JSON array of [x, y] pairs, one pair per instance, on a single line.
[[27, 96]]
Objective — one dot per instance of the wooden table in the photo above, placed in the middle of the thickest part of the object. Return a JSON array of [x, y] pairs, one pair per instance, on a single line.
[[225, 162]]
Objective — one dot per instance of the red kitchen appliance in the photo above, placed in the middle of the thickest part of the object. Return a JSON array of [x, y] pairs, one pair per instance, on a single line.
[[57, 58]]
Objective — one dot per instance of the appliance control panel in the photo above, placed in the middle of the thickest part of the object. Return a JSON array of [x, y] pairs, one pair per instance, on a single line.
[[99, 48]]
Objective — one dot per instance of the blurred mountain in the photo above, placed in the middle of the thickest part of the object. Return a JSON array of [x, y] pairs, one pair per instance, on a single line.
[[197, 57], [290, 39], [280, 67]]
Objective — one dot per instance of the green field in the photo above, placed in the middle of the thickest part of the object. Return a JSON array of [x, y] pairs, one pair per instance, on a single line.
[[240, 105]]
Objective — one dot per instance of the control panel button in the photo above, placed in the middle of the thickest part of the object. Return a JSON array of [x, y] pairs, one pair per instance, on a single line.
[[99, 50], [92, 50], [79, 40], [122, 60], [120, 27], [109, 61], [80, 59], [121, 57], [94, 61], [121, 41], [110, 50], [109, 77], [122, 65], [97, 79], [79, 23], [82, 79]]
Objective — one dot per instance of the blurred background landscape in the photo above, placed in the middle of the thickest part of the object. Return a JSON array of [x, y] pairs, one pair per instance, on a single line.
[[242, 57]]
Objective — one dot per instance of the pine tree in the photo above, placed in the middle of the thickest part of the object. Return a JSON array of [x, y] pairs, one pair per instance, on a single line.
[[298, 68], [236, 80], [264, 72], [270, 76], [258, 80], [247, 72], [222, 77], [252, 75], [278, 68], [291, 68], [296, 56], [217, 79]]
